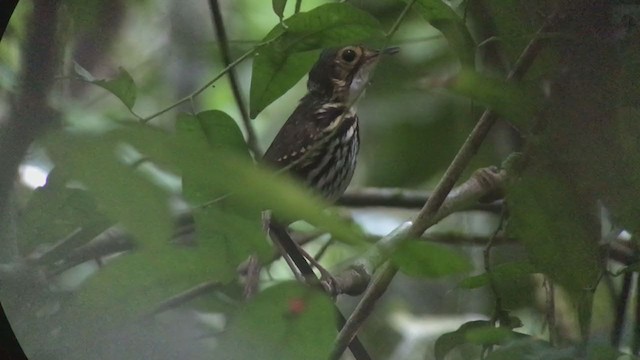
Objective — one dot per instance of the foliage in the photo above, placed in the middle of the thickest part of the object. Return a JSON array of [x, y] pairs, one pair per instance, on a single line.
[[569, 128]]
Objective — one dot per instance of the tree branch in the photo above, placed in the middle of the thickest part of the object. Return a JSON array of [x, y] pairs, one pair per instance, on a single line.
[[427, 216], [30, 114], [223, 45], [401, 198]]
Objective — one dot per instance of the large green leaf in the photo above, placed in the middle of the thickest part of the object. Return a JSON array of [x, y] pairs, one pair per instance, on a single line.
[[558, 228], [443, 18], [234, 231], [122, 193], [55, 211], [227, 173], [133, 284], [281, 62], [429, 260], [277, 325]]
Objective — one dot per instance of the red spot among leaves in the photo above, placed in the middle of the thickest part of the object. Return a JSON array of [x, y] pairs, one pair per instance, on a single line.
[[296, 306]]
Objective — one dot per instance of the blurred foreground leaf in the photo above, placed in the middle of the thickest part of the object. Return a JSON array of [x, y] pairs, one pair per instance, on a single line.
[[429, 260], [443, 18], [507, 272], [276, 324]]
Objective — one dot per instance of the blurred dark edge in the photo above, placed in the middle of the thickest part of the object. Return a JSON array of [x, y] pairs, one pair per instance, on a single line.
[[6, 10], [9, 347]]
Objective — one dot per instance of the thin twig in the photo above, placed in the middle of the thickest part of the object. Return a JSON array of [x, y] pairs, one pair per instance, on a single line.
[[298, 5], [223, 45], [184, 297], [497, 309]]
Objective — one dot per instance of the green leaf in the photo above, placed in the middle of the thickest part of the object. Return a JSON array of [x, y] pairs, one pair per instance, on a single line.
[[507, 272], [533, 349], [234, 233], [278, 7], [210, 175], [207, 132], [424, 259], [54, 211], [277, 323], [449, 341], [281, 62], [443, 18], [123, 194], [558, 227], [122, 86], [514, 101], [492, 335], [133, 284]]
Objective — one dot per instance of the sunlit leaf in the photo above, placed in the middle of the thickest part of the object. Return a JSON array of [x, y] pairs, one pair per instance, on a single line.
[[443, 18], [429, 260], [122, 86], [280, 63], [275, 325]]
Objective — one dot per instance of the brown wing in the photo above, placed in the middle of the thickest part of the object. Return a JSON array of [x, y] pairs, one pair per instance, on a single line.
[[300, 132]]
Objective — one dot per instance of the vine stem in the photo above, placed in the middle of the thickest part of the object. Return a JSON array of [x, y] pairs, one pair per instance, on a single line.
[[204, 87]]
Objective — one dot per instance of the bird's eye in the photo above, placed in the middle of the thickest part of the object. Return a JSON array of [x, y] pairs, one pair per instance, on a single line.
[[349, 55]]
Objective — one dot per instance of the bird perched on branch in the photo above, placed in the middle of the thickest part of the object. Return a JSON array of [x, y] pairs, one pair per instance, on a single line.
[[319, 142]]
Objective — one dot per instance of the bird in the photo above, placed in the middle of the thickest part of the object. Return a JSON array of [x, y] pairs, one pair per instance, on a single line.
[[319, 142]]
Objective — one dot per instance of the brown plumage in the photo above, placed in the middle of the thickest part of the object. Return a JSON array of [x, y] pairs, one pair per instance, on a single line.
[[319, 142]]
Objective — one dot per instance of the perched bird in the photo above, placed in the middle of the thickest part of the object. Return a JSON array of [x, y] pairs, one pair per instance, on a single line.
[[319, 142]]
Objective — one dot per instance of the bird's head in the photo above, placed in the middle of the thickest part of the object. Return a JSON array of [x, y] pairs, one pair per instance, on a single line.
[[342, 73]]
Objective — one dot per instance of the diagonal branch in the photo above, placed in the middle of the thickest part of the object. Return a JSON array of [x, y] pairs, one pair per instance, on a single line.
[[429, 212]]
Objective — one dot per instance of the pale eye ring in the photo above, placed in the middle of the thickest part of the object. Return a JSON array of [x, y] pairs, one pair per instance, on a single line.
[[348, 55]]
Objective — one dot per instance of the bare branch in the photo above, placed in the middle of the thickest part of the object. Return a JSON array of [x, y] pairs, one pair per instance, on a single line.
[[401, 198]]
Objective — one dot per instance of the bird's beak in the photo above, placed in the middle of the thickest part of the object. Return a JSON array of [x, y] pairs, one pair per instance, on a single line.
[[370, 55], [390, 50]]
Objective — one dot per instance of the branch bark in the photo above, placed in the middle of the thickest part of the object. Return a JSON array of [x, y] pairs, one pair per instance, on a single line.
[[30, 115]]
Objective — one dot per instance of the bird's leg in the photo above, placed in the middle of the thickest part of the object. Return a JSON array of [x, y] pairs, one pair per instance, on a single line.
[[326, 278], [297, 257]]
